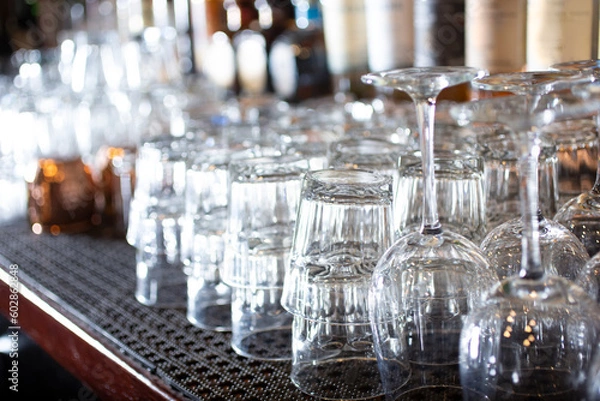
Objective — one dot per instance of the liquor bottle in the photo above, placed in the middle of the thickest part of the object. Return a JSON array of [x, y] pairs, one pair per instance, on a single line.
[[390, 34], [251, 51], [214, 24], [253, 45], [298, 57], [344, 27], [558, 31], [495, 34], [251, 60], [439, 29], [439, 32]]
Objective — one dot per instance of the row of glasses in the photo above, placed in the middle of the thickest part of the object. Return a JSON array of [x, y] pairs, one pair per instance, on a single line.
[[239, 132], [400, 335], [416, 310], [204, 231], [264, 193], [535, 335]]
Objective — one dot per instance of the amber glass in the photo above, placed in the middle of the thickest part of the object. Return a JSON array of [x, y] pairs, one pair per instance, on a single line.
[[61, 197]]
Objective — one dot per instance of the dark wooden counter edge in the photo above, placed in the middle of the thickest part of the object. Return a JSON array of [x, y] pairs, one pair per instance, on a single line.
[[86, 355]]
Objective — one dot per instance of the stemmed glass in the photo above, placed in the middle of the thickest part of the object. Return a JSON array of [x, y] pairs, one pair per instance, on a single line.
[[428, 280], [581, 215], [535, 335], [560, 250]]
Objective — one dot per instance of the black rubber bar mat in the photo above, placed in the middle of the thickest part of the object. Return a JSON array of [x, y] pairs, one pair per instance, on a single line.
[[93, 277]]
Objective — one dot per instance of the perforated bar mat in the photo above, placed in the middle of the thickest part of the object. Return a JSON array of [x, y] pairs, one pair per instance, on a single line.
[[94, 278]]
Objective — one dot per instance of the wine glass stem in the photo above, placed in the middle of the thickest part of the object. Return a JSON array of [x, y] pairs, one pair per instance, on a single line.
[[531, 263], [426, 120]]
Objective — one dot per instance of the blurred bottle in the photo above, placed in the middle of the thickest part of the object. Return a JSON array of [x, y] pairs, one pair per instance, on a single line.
[[495, 34], [559, 31], [214, 23], [390, 34], [250, 44], [253, 45], [439, 32], [344, 27], [298, 57], [439, 29]]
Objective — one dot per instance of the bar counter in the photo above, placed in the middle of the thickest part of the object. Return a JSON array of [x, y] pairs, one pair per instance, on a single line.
[[76, 300]]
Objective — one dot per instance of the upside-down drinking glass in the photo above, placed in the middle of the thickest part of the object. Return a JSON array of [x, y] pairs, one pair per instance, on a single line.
[[344, 225], [264, 193], [428, 280]]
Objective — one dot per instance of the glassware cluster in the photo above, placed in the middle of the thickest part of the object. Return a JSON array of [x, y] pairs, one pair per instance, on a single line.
[[388, 248]]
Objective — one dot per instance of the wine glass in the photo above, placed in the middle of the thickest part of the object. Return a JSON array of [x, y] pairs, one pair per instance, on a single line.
[[535, 335], [581, 214], [428, 280], [561, 252]]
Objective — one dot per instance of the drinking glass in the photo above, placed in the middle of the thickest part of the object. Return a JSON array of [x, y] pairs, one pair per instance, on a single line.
[[160, 278], [576, 144], [344, 225], [534, 336], [203, 236], [581, 214], [428, 280], [501, 151], [261, 213], [375, 154], [160, 179], [156, 219], [558, 246], [460, 177], [205, 222]]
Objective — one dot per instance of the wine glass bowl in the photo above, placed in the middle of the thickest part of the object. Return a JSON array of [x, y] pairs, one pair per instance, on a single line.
[[562, 253], [531, 340]]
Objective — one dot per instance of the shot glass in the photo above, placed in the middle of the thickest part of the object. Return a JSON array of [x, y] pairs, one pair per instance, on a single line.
[[263, 199], [460, 182], [344, 226]]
